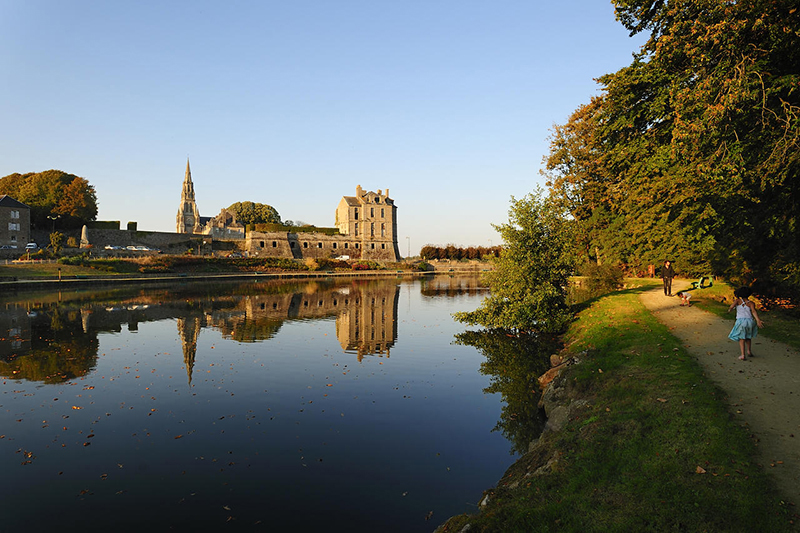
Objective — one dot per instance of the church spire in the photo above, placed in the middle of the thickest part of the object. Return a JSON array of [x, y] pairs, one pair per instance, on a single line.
[[188, 219]]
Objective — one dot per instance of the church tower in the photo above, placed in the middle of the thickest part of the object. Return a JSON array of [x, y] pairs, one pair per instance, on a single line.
[[188, 219]]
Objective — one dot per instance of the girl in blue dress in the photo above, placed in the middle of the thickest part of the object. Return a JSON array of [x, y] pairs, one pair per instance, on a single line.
[[747, 322]]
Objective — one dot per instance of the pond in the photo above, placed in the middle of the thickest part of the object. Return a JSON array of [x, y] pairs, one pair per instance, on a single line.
[[351, 405]]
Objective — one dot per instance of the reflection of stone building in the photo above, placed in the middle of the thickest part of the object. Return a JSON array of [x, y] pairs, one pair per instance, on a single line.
[[369, 325], [366, 315], [15, 332]]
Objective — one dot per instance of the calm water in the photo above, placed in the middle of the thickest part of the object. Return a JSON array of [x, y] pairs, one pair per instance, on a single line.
[[340, 406]]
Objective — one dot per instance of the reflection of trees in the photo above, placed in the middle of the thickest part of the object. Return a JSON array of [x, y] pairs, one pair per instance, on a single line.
[[58, 350], [52, 337], [456, 285], [514, 364]]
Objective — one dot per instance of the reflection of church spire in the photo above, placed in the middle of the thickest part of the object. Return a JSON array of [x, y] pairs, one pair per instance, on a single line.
[[188, 219], [189, 330]]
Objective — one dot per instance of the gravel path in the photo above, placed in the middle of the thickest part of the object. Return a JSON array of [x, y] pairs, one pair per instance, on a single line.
[[764, 391]]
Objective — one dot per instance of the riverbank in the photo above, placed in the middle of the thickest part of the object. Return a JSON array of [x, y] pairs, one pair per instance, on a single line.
[[638, 438]]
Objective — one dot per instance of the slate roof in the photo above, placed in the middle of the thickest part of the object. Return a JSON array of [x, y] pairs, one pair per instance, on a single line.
[[7, 201], [351, 200]]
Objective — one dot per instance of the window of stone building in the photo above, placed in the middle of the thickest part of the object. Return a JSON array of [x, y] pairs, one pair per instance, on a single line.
[[305, 245], [373, 245], [382, 215], [377, 200], [334, 246], [372, 212], [345, 244], [356, 229], [14, 214], [355, 214], [261, 243], [383, 230], [357, 246], [372, 229], [319, 245], [274, 244], [383, 246]]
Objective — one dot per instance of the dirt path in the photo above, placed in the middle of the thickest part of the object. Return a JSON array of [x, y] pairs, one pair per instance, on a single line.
[[764, 391]]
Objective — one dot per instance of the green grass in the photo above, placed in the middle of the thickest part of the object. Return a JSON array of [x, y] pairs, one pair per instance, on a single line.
[[779, 325], [48, 271], [629, 460]]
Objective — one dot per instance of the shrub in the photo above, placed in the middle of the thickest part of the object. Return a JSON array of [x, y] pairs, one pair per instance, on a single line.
[[601, 279]]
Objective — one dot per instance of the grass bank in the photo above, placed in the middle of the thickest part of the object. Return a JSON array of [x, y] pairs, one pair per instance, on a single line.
[[170, 264], [653, 449]]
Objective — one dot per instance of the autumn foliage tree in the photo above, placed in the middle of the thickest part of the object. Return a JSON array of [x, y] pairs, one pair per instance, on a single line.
[[692, 152], [53, 195]]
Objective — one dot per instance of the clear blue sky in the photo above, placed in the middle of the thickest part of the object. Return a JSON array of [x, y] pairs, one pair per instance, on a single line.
[[447, 103]]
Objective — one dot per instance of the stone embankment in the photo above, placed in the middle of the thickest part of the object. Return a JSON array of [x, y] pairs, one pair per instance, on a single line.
[[559, 403]]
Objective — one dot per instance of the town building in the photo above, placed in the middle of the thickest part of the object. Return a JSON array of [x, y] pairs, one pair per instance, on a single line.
[[366, 228], [15, 223], [223, 226]]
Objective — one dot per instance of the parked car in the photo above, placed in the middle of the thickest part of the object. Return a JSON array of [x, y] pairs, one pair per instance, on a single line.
[[112, 247], [8, 247], [31, 246]]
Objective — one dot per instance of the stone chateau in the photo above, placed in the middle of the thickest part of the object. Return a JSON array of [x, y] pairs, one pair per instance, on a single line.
[[366, 228]]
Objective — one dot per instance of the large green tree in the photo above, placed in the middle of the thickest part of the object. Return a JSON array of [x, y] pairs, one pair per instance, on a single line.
[[53, 195], [255, 213], [691, 152], [529, 282]]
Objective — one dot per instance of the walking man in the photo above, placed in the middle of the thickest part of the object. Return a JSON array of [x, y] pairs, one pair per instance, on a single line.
[[667, 273]]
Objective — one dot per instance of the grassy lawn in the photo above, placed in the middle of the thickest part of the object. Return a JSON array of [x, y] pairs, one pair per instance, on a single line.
[[779, 325], [655, 449], [48, 271]]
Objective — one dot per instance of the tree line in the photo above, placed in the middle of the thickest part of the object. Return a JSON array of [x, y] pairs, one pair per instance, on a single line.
[[452, 251], [53, 196], [691, 152]]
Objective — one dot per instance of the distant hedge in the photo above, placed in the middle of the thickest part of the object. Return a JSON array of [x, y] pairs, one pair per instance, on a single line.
[[278, 228]]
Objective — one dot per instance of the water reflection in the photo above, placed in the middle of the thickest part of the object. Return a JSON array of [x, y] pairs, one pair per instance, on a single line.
[[53, 341], [514, 364], [293, 405]]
